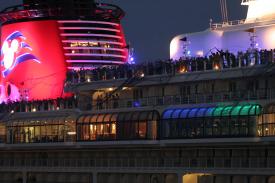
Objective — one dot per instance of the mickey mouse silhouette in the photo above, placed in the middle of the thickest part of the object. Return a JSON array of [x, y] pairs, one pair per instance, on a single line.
[[12, 52]]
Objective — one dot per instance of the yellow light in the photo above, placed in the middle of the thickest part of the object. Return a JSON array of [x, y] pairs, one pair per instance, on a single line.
[[71, 133], [216, 67], [183, 70], [34, 110], [113, 131], [110, 89]]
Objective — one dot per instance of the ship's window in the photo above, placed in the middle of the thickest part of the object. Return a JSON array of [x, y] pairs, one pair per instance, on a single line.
[[245, 110], [176, 113], [107, 118], [167, 114], [100, 118], [220, 121], [41, 130], [130, 125], [227, 111], [93, 118], [185, 90], [201, 112], [184, 113], [218, 111], [193, 113]]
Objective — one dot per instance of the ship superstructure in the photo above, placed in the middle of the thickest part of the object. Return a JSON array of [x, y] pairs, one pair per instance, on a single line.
[[254, 32], [203, 119]]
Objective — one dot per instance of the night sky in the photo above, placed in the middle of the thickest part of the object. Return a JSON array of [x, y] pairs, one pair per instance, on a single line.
[[151, 24]]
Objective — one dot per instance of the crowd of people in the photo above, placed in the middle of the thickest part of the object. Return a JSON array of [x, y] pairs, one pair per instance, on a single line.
[[216, 61], [110, 100], [38, 105]]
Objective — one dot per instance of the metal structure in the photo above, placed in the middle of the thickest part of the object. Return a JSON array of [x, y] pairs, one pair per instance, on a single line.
[[224, 10]]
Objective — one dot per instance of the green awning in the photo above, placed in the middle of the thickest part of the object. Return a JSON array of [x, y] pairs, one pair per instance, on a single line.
[[218, 111]]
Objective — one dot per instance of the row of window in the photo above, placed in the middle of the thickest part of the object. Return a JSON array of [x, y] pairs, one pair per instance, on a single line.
[[112, 128]]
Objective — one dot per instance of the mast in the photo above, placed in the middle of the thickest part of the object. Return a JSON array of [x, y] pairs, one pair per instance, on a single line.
[[224, 11]]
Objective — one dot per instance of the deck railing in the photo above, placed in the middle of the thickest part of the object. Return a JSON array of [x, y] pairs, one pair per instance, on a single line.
[[151, 101], [238, 96], [226, 24]]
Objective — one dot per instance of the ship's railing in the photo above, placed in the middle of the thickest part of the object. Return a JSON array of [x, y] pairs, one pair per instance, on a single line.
[[115, 103], [128, 162], [226, 24], [39, 105], [238, 96]]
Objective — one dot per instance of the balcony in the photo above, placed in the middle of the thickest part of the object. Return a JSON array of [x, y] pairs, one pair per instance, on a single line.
[[238, 96]]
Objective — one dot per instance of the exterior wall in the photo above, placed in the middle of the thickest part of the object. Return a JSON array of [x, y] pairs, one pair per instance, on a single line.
[[139, 165], [215, 87]]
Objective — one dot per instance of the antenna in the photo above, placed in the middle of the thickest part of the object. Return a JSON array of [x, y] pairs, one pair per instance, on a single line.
[[224, 11]]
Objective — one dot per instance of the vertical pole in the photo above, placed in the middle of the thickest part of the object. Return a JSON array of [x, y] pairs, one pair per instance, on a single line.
[[24, 177], [180, 178], [94, 177]]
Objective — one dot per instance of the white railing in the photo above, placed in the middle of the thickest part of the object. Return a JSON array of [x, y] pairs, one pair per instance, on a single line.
[[226, 24]]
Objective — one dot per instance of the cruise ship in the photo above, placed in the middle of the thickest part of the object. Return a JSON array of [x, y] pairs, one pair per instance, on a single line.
[[75, 109]]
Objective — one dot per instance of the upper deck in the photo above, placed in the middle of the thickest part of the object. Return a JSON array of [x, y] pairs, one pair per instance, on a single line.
[[196, 98]]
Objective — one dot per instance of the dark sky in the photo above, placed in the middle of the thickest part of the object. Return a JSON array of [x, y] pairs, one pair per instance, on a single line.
[[151, 24]]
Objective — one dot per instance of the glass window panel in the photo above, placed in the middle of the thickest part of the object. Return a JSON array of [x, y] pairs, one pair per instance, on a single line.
[[93, 118], [245, 110], [37, 133], [114, 117], [218, 111], [236, 110], [61, 131], [176, 113], [201, 112], [226, 111], [209, 112], [81, 119], [100, 118], [93, 131], [192, 113], [128, 116], [255, 110], [184, 113], [121, 116], [107, 118], [142, 129], [167, 114], [137, 115], [113, 128]]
